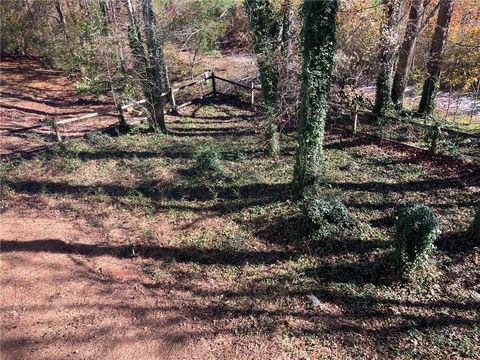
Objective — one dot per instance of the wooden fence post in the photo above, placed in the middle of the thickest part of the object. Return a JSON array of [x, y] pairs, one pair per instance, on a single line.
[[172, 101], [252, 97], [214, 85], [355, 118], [205, 81]]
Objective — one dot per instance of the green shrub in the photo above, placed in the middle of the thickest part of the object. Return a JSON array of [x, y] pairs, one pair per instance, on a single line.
[[416, 229], [474, 229], [326, 217], [208, 160]]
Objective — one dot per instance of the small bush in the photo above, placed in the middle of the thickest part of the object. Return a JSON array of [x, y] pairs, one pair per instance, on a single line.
[[416, 229], [208, 160], [474, 229], [327, 217]]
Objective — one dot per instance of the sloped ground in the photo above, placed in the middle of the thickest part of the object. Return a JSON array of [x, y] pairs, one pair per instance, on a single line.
[[123, 248], [31, 94]]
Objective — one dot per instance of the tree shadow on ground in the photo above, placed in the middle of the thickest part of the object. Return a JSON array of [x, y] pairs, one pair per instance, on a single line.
[[249, 309], [455, 243], [164, 253], [176, 151], [456, 182], [210, 132], [229, 198], [293, 231], [376, 270]]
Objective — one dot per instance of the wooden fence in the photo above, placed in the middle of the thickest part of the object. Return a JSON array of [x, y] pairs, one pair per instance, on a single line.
[[168, 95]]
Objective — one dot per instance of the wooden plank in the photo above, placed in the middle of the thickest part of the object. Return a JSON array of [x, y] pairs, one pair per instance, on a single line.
[[186, 104], [232, 82], [71, 120]]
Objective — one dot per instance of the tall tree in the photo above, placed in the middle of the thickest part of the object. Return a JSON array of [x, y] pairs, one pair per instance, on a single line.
[[437, 49], [156, 68], [386, 56], [318, 40], [147, 63], [407, 50], [61, 18], [266, 28]]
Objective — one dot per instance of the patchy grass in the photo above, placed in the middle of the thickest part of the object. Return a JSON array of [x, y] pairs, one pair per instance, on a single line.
[[232, 246]]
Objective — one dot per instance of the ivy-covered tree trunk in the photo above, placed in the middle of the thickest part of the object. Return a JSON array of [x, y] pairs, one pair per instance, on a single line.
[[155, 69], [386, 57], [406, 54], [266, 27], [434, 65], [318, 40]]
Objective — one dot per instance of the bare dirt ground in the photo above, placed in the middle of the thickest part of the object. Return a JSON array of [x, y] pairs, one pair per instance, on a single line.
[[30, 94], [64, 295]]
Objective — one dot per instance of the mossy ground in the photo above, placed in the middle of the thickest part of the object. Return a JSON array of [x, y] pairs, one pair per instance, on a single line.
[[233, 248]]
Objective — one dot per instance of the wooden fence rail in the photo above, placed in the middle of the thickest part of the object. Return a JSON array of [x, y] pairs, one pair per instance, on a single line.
[[170, 94]]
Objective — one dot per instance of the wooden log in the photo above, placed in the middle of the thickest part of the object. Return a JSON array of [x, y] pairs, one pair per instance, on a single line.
[[14, 131], [185, 104]]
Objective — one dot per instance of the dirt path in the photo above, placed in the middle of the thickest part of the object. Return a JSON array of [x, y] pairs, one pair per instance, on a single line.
[[65, 294], [30, 94]]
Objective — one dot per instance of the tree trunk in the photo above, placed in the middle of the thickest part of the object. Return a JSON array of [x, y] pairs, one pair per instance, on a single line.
[[434, 65], [61, 18], [318, 37], [146, 65], [386, 57], [156, 68], [266, 29], [138, 51], [407, 51]]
